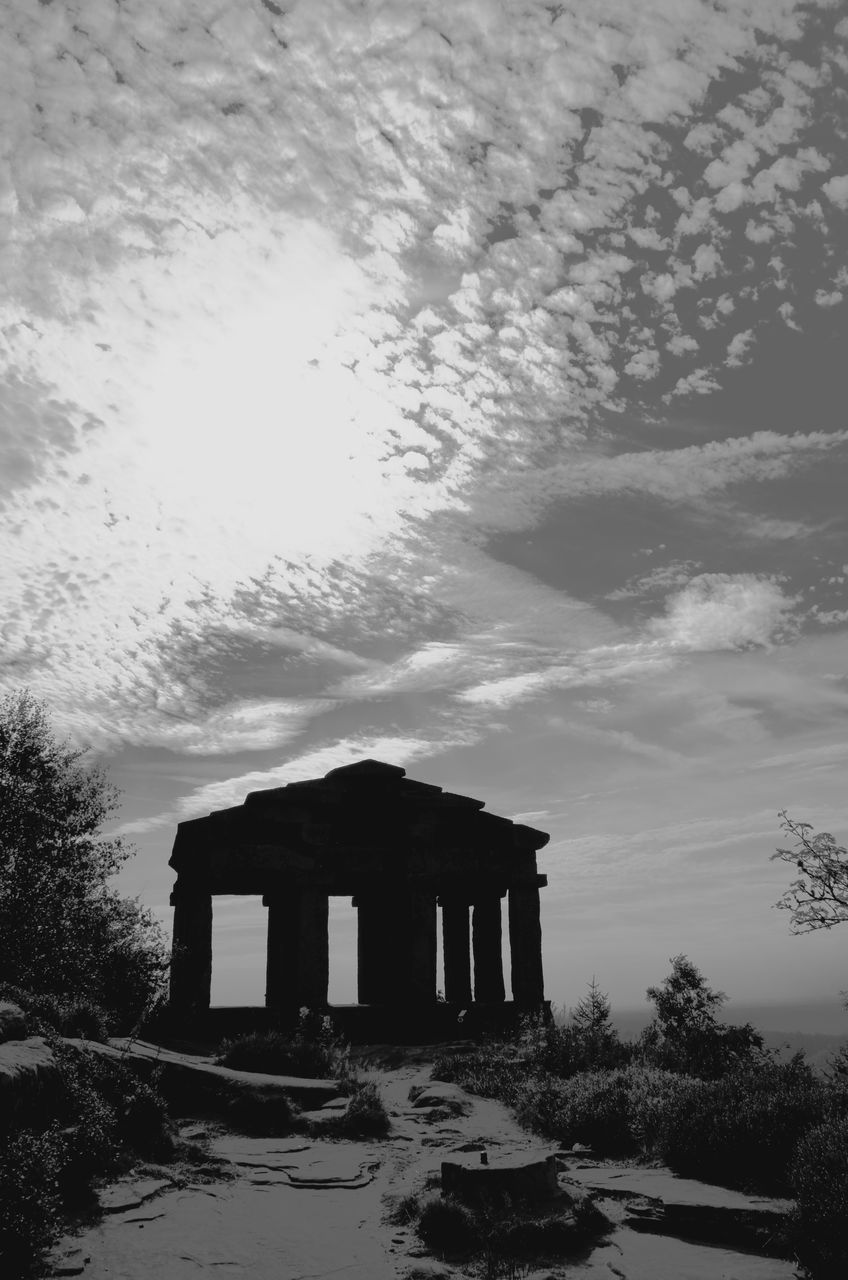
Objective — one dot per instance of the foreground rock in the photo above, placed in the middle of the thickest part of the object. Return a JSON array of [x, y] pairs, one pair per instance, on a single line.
[[656, 1200], [29, 1082], [189, 1082]]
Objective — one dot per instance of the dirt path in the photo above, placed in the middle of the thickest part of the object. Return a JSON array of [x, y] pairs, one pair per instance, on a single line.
[[308, 1209]]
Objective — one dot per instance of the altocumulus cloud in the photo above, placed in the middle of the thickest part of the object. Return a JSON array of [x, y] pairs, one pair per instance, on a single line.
[[286, 284]]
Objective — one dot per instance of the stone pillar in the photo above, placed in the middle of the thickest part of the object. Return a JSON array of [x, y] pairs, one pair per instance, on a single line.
[[488, 962], [525, 945], [191, 957], [456, 946], [313, 949], [421, 945], [373, 947], [281, 964]]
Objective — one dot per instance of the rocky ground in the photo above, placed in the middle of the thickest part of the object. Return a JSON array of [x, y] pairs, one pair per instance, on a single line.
[[301, 1208]]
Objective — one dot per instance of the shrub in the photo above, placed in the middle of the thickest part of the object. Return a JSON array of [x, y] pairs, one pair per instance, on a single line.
[[491, 1073], [819, 1177], [311, 1049], [366, 1115], [259, 1114], [101, 1096], [30, 1203], [71, 1016], [652, 1092], [592, 1108], [446, 1226], [741, 1130]]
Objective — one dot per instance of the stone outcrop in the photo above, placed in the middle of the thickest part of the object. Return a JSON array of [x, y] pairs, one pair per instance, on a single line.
[[190, 1083], [657, 1201], [29, 1082], [13, 1022]]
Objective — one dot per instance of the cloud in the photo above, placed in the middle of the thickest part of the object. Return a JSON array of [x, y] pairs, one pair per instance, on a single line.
[[285, 290], [310, 764], [676, 475], [725, 611]]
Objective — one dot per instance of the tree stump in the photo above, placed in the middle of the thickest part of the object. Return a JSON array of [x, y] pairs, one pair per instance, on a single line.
[[528, 1177]]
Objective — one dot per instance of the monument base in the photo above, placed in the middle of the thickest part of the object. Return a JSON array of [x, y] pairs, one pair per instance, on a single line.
[[356, 1023]]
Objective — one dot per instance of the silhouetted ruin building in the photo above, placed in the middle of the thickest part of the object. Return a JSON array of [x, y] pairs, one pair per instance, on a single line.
[[402, 850]]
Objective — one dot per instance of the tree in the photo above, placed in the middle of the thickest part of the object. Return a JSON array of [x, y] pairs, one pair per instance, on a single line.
[[596, 1042], [685, 1034], [64, 931], [818, 899]]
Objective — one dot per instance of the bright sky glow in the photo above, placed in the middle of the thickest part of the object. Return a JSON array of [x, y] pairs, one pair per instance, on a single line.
[[460, 384]]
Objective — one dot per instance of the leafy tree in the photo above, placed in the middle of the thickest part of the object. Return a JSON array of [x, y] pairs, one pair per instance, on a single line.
[[818, 899], [685, 1034], [64, 930]]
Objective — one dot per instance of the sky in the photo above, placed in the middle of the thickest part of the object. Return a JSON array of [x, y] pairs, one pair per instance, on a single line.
[[458, 385]]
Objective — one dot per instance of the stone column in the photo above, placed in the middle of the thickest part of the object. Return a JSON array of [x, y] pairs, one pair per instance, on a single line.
[[373, 947], [313, 949], [421, 945], [525, 945], [488, 962], [456, 945], [281, 964], [191, 957]]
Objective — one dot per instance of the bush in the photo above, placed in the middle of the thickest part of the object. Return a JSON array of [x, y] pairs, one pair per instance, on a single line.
[[819, 1177], [311, 1050], [66, 1016], [741, 1130], [118, 1115], [366, 1115], [446, 1226], [259, 1114], [592, 1108], [30, 1202], [498, 1072]]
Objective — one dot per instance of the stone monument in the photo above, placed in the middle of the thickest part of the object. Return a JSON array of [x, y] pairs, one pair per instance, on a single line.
[[405, 852]]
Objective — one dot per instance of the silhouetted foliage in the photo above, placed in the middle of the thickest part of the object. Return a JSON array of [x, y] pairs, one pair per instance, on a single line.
[[820, 1183], [685, 1034], [818, 898], [312, 1048], [65, 931]]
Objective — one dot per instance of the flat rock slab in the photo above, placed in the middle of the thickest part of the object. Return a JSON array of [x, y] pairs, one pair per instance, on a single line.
[[631, 1256], [185, 1075], [658, 1201], [239, 1229], [131, 1195], [317, 1165], [662, 1184]]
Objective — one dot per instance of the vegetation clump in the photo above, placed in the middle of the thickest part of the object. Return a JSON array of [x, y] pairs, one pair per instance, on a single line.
[[365, 1115], [503, 1238], [311, 1049], [819, 1178]]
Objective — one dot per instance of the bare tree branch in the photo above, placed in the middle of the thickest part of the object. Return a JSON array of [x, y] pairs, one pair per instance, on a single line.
[[818, 898]]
